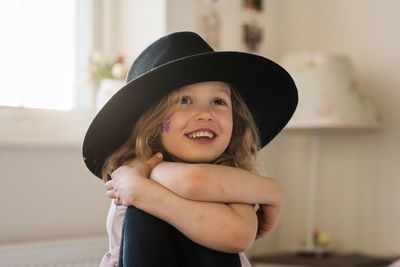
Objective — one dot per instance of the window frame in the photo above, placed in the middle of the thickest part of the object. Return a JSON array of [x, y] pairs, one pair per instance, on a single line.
[[22, 126]]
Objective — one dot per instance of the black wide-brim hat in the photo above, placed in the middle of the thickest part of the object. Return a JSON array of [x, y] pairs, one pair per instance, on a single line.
[[183, 58]]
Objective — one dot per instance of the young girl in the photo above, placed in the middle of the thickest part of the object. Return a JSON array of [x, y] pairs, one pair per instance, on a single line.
[[203, 110]]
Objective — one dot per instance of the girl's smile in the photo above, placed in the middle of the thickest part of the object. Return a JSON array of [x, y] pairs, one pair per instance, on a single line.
[[201, 134], [199, 126]]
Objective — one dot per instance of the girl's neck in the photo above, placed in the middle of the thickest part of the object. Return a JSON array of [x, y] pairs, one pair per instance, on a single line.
[[168, 157]]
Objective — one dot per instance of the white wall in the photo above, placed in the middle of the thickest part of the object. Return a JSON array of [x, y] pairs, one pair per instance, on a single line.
[[47, 193], [141, 22]]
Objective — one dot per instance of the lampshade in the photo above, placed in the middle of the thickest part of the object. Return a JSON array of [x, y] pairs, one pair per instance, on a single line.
[[329, 94]]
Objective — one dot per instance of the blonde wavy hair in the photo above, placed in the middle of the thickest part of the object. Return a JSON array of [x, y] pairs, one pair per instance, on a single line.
[[145, 139]]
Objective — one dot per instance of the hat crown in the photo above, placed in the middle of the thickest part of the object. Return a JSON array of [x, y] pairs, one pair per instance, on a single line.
[[167, 49]]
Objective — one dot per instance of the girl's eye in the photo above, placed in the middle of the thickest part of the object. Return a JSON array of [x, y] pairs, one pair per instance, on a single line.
[[185, 100], [219, 101]]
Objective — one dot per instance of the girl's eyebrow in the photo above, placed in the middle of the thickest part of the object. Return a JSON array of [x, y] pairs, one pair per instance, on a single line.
[[224, 90]]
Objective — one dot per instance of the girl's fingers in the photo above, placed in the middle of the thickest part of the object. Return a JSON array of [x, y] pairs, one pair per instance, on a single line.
[[117, 200], [154, 160], [110, 194], [124, 173], [109, 185], [113, 195], [267, 219]]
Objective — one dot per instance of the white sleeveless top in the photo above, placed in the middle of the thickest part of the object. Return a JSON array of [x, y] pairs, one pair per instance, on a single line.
[[115, 219]]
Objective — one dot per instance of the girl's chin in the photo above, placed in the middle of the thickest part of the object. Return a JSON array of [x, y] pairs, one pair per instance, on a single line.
[[189, 159]]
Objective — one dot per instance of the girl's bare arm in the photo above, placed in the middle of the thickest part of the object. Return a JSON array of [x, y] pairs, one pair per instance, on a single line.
[[217, 183], [224, 227], [206, 182]]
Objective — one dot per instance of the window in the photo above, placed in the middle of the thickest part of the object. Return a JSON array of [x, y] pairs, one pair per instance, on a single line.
[[39, 53], [44, 51]]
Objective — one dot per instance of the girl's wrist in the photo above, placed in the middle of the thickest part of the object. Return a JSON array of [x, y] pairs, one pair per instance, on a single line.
[[145, 189], [135, 194]]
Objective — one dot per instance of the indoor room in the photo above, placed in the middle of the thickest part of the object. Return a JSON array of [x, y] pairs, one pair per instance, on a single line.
[[337, 159]]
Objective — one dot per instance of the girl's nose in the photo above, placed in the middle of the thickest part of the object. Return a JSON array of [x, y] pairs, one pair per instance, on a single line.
[[203, 113]]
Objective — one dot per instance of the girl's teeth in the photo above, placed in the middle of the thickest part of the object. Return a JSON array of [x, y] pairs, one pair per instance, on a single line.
[[201, 134]]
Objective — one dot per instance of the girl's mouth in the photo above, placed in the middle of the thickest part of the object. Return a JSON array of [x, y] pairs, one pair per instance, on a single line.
[[201, 135]]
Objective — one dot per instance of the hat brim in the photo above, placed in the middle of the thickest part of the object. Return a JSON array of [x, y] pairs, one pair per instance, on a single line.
[[266, 87]]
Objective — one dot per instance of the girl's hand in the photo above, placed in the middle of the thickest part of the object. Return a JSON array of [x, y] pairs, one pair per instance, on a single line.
[[126, 181], [268, 216]]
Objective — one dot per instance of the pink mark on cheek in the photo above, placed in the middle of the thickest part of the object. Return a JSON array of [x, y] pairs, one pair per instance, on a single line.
[[165, 125]]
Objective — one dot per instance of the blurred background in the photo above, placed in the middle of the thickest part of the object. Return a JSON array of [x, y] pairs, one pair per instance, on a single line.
[[61, 60]]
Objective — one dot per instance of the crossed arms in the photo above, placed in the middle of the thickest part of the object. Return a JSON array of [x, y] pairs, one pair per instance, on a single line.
[[211, 204]]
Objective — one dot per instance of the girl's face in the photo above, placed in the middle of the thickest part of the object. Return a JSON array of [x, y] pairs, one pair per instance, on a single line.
[[199, 127]]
